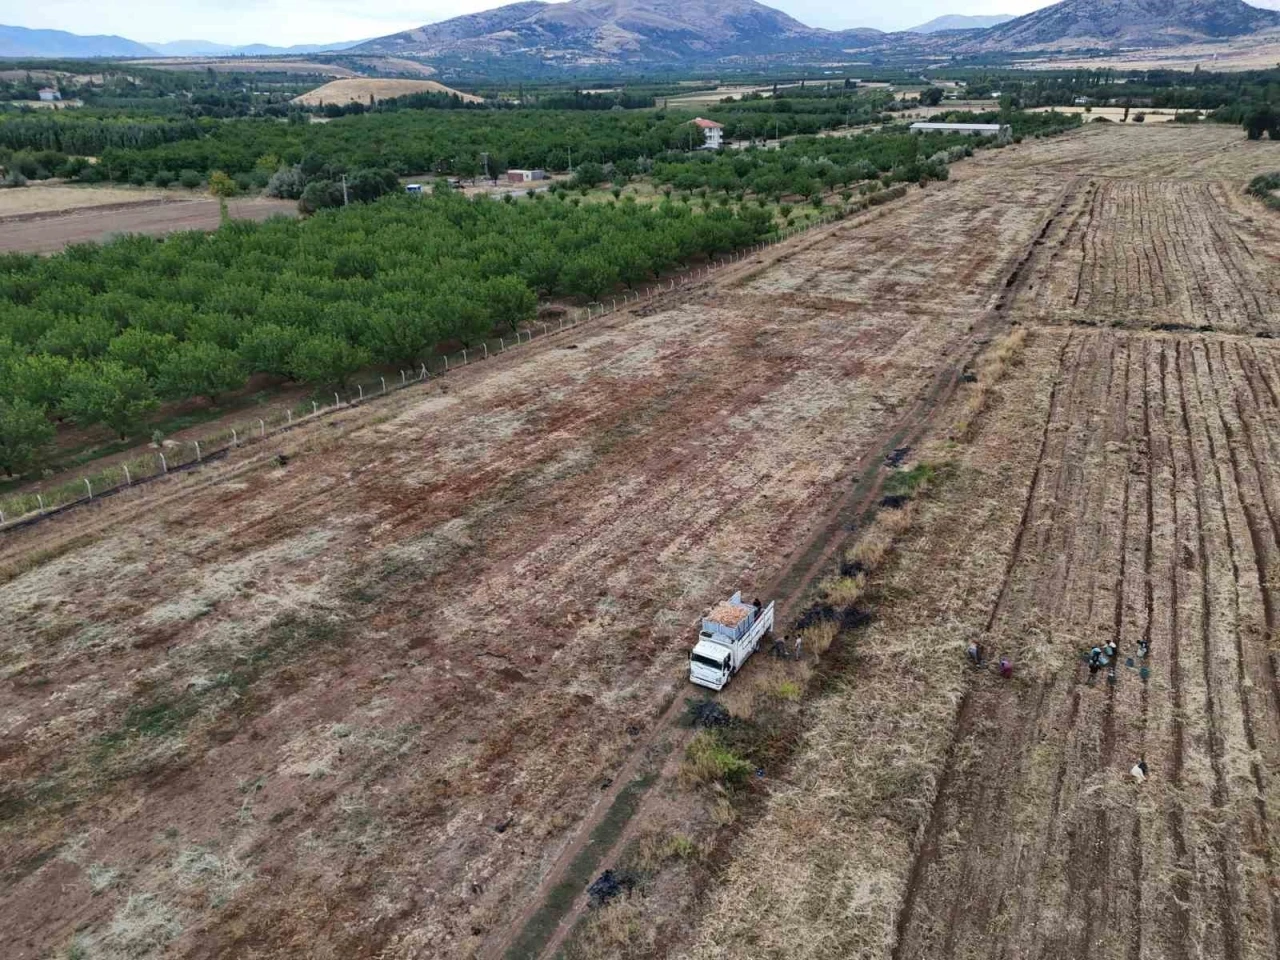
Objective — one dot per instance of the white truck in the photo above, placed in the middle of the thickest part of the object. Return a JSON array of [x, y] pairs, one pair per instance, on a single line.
[[730, 633]]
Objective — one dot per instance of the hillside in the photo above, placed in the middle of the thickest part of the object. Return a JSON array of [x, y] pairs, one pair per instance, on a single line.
[[1110, 24], [21, 42], [957, 21], [361, 90], [659, 30]]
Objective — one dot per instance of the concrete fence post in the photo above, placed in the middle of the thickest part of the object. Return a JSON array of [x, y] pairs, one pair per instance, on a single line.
[[40, 500], [384, 384], [423, 374], [403, 380], [464, 356], [446, 363], [485, 347], [128, 480], [615, 304], [235, 438], [198, 457], [88, 486], [503, 344], [337, 401], [314, 408], [361, 389], [262, 427], [1, 516], [289, 416], [164, 464]]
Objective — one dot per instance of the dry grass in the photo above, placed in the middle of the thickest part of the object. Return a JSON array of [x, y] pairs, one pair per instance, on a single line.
[[992, 365], [361, 89], [616, 931], [51, 198]]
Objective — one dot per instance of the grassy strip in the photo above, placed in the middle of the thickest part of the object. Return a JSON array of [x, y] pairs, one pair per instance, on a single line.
[[1265, 187], [542, 925], [992, 365]]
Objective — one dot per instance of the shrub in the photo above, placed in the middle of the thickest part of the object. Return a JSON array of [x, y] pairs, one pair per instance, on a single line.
[[190, 179], [163, 178], [707, 760]]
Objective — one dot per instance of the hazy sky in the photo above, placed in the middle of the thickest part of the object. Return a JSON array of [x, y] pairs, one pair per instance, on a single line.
[[285, 22]]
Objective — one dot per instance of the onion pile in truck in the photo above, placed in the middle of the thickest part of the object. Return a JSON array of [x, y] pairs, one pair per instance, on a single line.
[[730, 633]]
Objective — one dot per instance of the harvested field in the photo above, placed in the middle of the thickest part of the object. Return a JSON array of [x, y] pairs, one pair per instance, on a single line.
[[362, 89], [1119, 488], [39, 198], [445, 615], [1159, 253], [377, 701], [40, 233]]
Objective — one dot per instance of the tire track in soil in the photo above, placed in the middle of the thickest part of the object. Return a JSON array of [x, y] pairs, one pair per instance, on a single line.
[[1175, 816], [1257, 544], [1228, 903]]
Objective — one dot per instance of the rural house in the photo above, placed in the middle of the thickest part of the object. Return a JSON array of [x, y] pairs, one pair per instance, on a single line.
[[713, 133], [49, 94], [526, 176]]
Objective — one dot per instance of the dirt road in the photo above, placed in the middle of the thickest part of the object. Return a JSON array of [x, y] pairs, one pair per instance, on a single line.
[[48, 234]]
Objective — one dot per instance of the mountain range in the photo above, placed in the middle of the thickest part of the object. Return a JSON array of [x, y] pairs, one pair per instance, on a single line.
[[956, 21], [675, 33]]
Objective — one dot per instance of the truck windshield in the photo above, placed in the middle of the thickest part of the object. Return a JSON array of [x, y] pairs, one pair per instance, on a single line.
[[706, 661]]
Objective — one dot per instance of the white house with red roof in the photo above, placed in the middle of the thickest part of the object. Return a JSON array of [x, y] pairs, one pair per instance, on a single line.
[[712, 132]]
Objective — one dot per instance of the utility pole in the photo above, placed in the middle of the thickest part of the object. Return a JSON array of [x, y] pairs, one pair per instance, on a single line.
[[344, 189], [571, 159], [484, 157]]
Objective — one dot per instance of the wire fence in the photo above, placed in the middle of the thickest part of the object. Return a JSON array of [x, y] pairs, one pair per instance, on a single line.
[[175, 457]]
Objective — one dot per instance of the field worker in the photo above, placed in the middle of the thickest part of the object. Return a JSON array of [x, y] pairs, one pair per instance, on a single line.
[[1139, 771], [1006, 668], [1143, 649], [1109, 651], [1095, 657], [1094, 667], [779, 648], [972, 652], [799, 640]]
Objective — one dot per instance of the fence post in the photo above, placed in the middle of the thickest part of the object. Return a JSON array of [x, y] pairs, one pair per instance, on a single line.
[[337, 401], [403, 380], [235, 438], [423, 374], [127, 479], [314, 408], [262, 427], [88, 486], [464, 356], [361, 389], [615, 305], [562, 323], [164, 464], [384, 384], [289, 415], [544, 329], [485, 347], [198, 457], [446, 363], [1, 516], [503, 342], [40, 500]]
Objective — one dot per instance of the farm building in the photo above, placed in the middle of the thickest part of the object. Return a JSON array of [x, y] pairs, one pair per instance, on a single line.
[[713, 133], [1000, 130], [526, 176], [49, 94]]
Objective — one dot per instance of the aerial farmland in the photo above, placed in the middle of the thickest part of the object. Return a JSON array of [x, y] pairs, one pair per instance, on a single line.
[[403, 681]]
